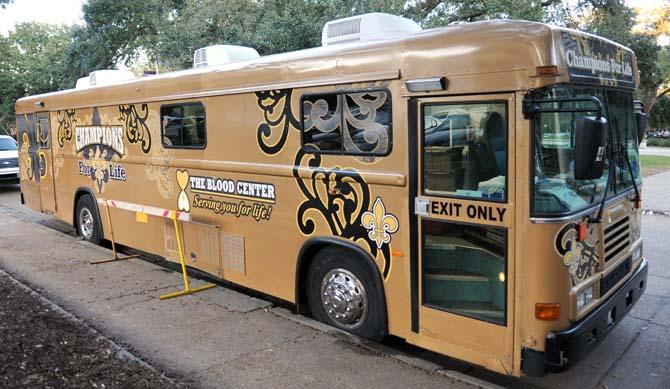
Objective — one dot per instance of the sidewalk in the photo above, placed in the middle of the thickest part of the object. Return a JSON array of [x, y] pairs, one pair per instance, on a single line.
[[216, 338], [656, 192]]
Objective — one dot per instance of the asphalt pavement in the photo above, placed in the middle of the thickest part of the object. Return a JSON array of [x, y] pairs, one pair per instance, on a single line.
[[224, 338]]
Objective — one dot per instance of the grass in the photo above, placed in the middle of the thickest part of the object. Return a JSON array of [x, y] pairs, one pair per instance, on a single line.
[[652, 164]]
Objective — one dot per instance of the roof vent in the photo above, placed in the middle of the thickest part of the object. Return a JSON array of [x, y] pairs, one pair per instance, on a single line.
[[222, 54], [104, 77], [367, 27]]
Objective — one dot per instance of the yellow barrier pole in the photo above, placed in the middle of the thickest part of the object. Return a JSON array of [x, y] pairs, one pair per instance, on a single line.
[[111, 235], [181, 252], [187, 288]]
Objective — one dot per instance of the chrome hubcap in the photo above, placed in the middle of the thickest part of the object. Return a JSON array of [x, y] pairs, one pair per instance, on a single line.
[[86, 223], [344, 298]]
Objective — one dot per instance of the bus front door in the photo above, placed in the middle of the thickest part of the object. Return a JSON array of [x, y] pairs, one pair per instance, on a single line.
[[45, 163], [463, 219]]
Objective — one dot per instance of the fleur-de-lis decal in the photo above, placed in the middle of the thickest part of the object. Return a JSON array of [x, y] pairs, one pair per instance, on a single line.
[[380, 225]]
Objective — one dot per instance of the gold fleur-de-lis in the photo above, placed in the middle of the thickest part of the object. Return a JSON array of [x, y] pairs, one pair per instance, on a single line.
[[379, 224]]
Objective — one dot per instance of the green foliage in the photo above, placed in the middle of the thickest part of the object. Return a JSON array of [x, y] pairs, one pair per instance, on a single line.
[[659, 142], [167, 32], [31, 62], [114, 32], [659, 116]]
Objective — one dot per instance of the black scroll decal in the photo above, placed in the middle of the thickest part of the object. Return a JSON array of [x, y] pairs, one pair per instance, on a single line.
[[579, 257], [65, 125], [276, 107], [337, 196], [136, 125]]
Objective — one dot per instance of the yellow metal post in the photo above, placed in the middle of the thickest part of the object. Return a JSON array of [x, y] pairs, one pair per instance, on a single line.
[[111, 235], [187, 287]]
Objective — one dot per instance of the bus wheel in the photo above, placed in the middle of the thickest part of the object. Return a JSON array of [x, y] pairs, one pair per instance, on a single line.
[[88, 224], [341, 293]]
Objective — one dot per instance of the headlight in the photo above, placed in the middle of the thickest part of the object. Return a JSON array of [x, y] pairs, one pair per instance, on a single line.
[[635, 226], [585, 297]]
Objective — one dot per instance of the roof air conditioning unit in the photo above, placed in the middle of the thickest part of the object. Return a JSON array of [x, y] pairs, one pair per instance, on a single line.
[[104, 77], [83, 82], [222, 54], [366, 27]]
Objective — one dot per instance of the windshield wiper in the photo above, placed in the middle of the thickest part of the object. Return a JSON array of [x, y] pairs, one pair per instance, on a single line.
[[624, 155]]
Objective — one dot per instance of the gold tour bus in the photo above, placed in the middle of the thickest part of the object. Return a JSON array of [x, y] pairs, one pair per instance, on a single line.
[[473, 190]]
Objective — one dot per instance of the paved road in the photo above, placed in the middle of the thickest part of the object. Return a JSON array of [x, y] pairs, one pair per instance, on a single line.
[[656, 192], [660, 151], [222, 338]]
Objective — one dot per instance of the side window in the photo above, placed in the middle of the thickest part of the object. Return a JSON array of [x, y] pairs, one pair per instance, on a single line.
[[465, 150], [351, 123], [183, 126], [42, 131]]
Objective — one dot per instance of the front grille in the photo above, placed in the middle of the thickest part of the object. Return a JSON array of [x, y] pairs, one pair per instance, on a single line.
[[615, 276], [9, 162], [617, 238]]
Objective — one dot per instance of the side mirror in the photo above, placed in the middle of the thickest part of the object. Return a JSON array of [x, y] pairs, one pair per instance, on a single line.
[[590, 145], [640, 119]]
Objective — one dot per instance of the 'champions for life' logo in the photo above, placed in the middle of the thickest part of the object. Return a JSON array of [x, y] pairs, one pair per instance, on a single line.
[[110, 137]]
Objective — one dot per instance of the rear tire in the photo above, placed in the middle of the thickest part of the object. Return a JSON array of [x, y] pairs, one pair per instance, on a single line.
[[88, 222], [342, 293]]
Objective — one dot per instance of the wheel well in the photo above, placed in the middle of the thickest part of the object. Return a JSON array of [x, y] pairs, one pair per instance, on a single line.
[[78, 194], [308, 252]]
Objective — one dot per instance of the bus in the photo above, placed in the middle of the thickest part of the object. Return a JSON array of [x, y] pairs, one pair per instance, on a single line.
[[474, 190]]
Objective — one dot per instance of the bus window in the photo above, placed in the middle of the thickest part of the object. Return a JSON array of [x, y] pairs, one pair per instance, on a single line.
[[465, 150], [321, 124], [351, 123], [183, 125]]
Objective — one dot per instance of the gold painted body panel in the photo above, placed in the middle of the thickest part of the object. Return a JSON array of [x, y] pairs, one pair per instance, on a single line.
[[488, 60]]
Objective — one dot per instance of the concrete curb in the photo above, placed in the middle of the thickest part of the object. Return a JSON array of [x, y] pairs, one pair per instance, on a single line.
[[383, 350], [467, 379], [655, 212]]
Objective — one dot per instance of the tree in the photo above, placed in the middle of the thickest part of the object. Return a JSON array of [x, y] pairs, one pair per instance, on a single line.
[[614, 20], [31, 62], [659, 117], [114, 32]]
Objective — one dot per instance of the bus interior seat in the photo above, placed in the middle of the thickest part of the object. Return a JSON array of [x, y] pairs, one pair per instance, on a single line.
[[494, 140]]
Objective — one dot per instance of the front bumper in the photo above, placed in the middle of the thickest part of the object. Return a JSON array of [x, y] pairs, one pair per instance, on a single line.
[[6, 175], [564, 348]]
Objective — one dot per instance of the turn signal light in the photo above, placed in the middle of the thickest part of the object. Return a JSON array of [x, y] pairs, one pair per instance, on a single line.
[[551, 70], [581, 232], [547, 311], [638, 202]]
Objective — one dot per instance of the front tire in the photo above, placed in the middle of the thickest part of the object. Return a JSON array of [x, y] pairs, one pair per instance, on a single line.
[[342, 293], [88, 223]]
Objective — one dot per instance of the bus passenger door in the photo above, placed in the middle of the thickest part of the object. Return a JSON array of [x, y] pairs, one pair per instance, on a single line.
[[45, 163], [28, 148], [463, 220]]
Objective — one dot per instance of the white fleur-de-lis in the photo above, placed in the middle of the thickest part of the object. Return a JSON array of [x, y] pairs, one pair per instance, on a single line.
[[379, 224]]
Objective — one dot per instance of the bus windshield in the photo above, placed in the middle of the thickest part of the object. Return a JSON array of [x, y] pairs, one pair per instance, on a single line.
[[555, 191]]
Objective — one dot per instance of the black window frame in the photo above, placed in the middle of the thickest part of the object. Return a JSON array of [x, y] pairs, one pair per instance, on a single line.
[[342, 94], [204, 123], [423, 192]]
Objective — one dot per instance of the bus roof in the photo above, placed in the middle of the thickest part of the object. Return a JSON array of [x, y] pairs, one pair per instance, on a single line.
[[487, 56]]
